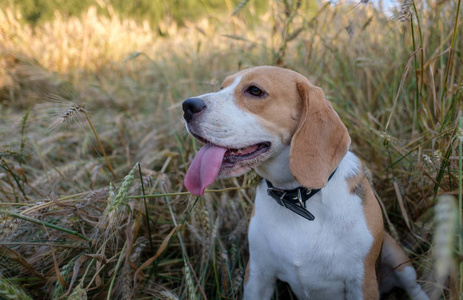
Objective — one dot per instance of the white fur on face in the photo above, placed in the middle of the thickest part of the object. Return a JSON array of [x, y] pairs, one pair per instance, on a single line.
[[224, 123]]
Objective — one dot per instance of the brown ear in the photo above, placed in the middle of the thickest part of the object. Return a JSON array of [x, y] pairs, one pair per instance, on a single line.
[[321, 139]]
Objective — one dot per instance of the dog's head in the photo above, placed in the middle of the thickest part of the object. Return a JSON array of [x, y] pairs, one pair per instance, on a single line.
[[257, 114]]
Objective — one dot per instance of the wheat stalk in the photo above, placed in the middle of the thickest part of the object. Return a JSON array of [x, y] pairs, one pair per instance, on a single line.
[[72, 112], [77, 111], [121, 197], [127, 282], [239, 6], [405, 13], [446, 217], [101, 145], [65, 270], [8, 290], [189, 282], [167, 295], [79, 293]]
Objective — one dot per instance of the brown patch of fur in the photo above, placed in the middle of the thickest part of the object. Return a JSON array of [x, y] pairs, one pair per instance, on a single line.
[[356, 183], [360, 186], [248, 268], [298, 113], [359, 190], [393, 255], [374, 220], [246, 275], [321, 140], [280, 109]]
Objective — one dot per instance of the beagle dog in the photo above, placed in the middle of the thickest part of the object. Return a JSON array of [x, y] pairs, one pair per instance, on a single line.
[[316, 223]]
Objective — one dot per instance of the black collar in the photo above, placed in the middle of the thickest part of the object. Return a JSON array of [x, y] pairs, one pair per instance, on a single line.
[[295, 199]]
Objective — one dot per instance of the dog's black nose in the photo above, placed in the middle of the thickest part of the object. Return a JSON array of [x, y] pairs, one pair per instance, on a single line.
[[192, 106]]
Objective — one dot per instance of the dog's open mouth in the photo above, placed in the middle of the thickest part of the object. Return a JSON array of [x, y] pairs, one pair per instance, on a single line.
[[212, 160], [233, 156]]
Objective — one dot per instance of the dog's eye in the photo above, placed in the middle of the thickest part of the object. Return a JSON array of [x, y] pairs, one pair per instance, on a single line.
[[255, 91]]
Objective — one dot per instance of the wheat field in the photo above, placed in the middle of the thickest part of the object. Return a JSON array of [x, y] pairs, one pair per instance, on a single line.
[[93, 150]]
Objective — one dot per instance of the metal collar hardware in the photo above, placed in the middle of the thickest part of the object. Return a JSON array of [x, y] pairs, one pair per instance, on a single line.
[[295, 199]]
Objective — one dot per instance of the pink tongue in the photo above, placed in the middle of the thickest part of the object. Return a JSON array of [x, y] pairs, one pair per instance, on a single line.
[[204, 168]]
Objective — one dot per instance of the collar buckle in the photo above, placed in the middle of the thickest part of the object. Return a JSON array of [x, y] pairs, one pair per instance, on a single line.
[[274, 189], [299, 197], [295, 199]]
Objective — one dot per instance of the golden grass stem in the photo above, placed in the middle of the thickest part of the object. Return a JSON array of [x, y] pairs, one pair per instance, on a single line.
[[186, 261], [181, 148], [216, 275], [407, 67], [87, 270], [45, 205], [7, 168], [146, 209], [100, 144], [450, 57], [23, 135], [42, 160], [418, 146], [187, 193], [38, 244], [116, 269], [420, 35], [419, 83]]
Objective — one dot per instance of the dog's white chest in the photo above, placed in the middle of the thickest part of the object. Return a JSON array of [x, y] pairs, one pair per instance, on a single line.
[[319, 259]]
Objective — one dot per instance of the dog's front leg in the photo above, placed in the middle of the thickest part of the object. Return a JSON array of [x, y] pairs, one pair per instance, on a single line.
[[257, 285]]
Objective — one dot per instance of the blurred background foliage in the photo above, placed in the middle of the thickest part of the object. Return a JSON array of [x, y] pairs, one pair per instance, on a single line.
[[37, 12]]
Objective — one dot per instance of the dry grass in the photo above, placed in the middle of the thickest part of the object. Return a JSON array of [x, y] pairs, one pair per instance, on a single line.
[[68, 229]]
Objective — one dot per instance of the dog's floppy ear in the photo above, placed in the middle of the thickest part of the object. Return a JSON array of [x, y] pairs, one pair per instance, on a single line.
[[321, 139]]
